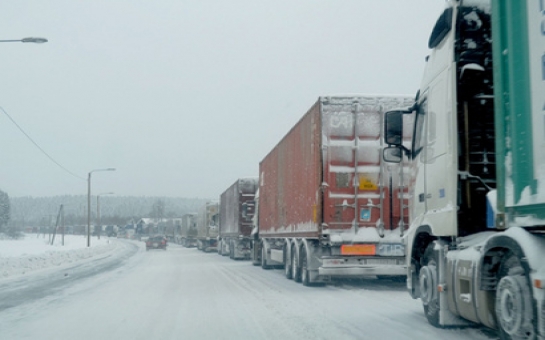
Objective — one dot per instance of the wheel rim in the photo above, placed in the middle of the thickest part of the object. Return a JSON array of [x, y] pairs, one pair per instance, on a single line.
[[427, 284], [510, 304]]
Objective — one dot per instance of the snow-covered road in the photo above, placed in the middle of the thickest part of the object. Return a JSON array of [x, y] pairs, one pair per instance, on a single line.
[[186, 294]]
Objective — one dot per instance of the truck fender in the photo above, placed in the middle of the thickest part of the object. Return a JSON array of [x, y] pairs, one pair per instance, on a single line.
[[313, 254], [494, 249], [420, 241]]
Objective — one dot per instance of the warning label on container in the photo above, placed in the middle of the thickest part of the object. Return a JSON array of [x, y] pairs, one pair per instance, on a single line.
[[366, 184], [365, 215]]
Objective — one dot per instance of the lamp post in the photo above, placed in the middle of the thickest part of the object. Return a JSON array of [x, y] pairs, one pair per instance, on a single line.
[[89, 203], [98, 211], [28, 40]]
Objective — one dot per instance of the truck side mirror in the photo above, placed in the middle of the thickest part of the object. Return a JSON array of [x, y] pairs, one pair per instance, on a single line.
[[392, 154], [393, 128]]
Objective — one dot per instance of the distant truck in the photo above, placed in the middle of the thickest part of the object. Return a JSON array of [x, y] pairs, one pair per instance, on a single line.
[[187, 235], [328, 206], [235, 223], [207, 227]]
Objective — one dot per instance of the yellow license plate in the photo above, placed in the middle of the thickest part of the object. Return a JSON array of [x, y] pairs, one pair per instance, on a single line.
[[358, 249]]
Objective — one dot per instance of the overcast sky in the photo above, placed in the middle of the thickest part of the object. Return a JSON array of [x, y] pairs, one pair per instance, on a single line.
[[184, 97]]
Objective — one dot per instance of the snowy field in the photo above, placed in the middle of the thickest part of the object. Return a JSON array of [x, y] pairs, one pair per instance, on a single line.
[[186, 294], [34, 253]]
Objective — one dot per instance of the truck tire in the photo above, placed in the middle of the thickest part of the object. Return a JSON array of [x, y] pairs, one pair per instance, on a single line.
[[305, 275], [254, 256], [428, 286], [264, 259], [287, 263], [231, 250], [513, 307], [295, 265]]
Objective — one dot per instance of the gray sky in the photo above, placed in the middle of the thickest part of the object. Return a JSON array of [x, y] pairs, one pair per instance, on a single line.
[[184, 97]]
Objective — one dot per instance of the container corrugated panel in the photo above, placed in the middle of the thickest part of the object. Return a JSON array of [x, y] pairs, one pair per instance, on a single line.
[[327, 173], [232, 202], [290, 178]]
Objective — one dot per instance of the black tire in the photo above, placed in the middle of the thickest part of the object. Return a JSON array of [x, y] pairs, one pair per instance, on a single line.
[[428, 286], [513, 306], [305, 274], [295, 265], [231, 250], [287, 263], [254, 256], [264, 259]]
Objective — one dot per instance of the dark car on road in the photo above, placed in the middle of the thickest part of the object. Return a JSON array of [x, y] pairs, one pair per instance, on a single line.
[[156, 242]]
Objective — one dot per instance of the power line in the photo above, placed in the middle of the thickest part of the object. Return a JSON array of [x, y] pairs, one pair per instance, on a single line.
[[36, 144]]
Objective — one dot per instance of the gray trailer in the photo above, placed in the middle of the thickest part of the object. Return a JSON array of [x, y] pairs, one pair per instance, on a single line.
[[237, 207], [207, 226], [187, 236]]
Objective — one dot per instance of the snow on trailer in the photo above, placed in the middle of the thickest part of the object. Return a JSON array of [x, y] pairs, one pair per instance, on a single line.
[[328, 206], [207, 226], [187, 236], [237, 208]]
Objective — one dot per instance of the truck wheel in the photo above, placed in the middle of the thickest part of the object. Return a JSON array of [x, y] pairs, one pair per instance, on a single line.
[[514, 310], [428, 286], [254, 255], [295, 268], [305, 275], [264, 259], [287, 264], [231, 250]]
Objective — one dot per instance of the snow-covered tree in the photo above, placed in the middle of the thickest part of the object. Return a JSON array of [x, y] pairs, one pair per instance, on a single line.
[[4, 210], [158, 210]]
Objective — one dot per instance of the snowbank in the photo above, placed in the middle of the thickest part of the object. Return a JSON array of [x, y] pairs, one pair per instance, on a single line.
[[19, 257]]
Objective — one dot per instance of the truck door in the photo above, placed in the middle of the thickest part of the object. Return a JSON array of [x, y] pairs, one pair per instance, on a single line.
[[435, 190]]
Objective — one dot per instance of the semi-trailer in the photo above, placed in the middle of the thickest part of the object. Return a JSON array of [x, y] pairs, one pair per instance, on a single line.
[[187, 235], [237, 208], [328, 206], [476, 241], [207, 226]]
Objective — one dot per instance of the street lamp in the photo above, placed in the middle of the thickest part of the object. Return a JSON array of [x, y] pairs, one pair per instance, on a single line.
[[98, 211], [89, 203], [28, 40]]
